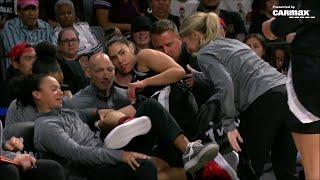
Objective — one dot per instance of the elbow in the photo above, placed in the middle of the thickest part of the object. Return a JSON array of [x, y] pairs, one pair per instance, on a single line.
[[180, 73]]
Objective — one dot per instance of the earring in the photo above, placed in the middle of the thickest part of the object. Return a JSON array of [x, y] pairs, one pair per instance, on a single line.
[[149, 10]]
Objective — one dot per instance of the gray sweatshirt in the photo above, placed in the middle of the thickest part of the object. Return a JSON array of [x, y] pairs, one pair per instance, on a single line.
[[90, 97], [238, 74], [63, 134]]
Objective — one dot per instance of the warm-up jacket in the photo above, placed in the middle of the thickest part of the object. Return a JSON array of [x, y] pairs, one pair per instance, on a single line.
[[64, 135], [238, 74]]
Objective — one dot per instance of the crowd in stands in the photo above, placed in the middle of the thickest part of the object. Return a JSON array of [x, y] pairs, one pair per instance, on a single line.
[[158, 89]]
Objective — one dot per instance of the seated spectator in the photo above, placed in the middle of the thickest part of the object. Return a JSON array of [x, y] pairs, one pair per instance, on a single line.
[[118, 14], [17, 166], [68, 46], [280, 59], [47, 12], [234, 25], [155, 68], [140, 35], [165, 38], [26, 27], [22, 57], [54, 140], [101, 92], [257, 43], [183, 8], [160, 9], [65, 13]]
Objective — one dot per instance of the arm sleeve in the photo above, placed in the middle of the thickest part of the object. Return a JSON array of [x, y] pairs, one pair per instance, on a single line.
[[201, 81], [12, 115], [91, 38], [11, 36], [52, 138], [223, 85], [8, 154]]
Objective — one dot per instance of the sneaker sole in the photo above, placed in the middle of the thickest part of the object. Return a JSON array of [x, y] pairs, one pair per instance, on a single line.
[[199, 161], [124, 133]]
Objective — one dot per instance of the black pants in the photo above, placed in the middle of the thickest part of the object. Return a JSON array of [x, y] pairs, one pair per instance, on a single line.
[[46, 169], [264, 128], [163, 127]]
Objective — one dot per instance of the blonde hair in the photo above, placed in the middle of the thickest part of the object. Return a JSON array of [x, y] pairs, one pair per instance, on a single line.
[[206, 23]]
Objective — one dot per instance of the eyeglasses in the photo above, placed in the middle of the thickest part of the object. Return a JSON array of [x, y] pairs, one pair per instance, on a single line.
[[69, 41]]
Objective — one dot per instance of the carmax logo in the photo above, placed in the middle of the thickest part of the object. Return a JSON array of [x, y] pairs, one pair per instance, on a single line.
[[290, 12]]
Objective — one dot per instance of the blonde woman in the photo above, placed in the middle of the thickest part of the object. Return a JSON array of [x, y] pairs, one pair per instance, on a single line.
[[249, 89]]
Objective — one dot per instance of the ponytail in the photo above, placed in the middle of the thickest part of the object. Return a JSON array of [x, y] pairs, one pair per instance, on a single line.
[[205, 23]]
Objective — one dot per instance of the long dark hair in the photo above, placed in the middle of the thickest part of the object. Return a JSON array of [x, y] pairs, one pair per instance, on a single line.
[[25, 85], [119, 39]]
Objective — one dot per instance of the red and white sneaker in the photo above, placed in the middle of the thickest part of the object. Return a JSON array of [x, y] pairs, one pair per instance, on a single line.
[[121, 135]]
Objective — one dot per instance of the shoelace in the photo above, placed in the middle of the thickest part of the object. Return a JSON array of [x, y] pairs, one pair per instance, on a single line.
[[191, 146]]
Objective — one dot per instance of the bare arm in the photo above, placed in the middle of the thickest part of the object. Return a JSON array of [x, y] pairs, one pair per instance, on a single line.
[[168, 70]]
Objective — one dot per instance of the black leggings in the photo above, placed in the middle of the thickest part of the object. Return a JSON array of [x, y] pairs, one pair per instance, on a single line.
[[46, 169], [163, 127], [264, 128]]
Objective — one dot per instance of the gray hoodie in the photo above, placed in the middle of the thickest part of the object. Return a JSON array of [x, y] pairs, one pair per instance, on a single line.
[[238, 74], [64, 135]]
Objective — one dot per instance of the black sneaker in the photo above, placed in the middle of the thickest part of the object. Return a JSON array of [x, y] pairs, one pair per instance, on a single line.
[[198, 155]]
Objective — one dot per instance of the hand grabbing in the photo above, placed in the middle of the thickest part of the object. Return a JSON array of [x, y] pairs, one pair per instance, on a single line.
[[133, 88], [234, 137], [131, 158]]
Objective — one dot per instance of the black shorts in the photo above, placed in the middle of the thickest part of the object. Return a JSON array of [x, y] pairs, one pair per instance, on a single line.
[[306, 81], [306, 78]]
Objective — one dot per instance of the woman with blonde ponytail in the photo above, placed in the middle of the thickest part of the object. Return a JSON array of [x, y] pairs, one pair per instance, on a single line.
[[247, 88]]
